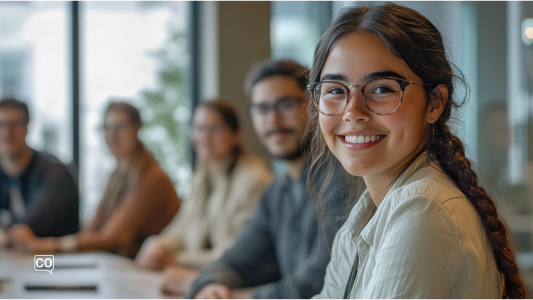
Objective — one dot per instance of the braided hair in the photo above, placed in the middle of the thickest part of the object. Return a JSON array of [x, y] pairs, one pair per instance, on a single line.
[[414, 39]]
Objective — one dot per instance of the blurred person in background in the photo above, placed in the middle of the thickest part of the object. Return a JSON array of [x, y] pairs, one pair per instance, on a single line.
[[139, 200], [226, 186], [37, 192], [283, 251]]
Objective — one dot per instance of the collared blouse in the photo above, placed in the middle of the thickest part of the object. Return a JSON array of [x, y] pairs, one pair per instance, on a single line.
[[425, 240]]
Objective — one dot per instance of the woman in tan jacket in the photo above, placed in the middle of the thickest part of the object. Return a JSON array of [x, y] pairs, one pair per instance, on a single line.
[[139, 200], [225, 188]]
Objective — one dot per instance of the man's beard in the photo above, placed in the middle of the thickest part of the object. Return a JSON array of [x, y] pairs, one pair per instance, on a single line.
[[302, 148], [14, 155]]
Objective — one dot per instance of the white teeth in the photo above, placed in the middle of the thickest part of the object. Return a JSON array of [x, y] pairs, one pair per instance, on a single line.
[[354, 139]]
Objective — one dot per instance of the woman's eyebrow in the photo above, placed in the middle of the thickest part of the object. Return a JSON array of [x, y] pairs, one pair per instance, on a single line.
[[374, 75], [336, 77], [365, 78]]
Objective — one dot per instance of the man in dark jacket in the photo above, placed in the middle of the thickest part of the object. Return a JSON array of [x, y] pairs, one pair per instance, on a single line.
[[37, 193]]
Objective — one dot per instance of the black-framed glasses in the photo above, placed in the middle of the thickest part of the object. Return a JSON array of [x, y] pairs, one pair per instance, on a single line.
[[12, 124], [382, 96], [211, 129], [116, 127], [285, 107]]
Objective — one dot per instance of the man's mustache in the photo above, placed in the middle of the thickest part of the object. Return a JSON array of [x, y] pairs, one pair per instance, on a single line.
[[278, 130]]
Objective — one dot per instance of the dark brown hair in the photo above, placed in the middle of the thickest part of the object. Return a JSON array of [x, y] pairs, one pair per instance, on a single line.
[[231, 119], [226, 111], [15, 103], [128, 109], [414, 39], [269, 68]]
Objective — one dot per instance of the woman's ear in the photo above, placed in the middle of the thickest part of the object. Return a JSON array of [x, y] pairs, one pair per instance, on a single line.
[[437, 103]]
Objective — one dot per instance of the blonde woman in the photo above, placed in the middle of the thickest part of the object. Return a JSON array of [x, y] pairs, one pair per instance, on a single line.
[[225, 189], [139, 199]]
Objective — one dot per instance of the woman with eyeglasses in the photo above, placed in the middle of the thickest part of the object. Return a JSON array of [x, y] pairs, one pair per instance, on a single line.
[[139, 200], [384, 92], [226, 186]]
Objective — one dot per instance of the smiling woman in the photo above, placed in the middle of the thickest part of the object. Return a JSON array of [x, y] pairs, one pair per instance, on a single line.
[[424, 228], [356, 58]]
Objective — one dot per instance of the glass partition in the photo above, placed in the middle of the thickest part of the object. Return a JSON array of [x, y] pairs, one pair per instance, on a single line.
[[34, 68], [134, 52]]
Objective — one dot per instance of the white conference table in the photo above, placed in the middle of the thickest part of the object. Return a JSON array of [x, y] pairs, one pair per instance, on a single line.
[[80, 275]]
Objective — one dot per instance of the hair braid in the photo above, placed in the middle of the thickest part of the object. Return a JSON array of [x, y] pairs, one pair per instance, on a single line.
[[447, 150]]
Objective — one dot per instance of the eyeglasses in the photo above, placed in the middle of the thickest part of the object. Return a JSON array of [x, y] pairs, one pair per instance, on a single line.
[[13, 124], [286, 107], [214, 129], [116, 127], [382, 96]]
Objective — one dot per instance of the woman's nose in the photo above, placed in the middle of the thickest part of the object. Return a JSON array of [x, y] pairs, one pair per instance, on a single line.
[[356, 110]]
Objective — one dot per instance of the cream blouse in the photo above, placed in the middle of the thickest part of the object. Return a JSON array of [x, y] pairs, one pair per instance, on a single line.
[[425, 240]]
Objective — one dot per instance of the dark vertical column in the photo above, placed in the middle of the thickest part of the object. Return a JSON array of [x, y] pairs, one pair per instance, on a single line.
[[194, 48], [194, 63], [75, 75]]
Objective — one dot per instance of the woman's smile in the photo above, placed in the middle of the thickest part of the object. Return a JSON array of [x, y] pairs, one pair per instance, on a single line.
[[360, 140]]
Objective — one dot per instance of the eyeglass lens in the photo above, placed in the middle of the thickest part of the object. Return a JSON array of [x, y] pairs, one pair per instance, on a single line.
[[285, 107], [381, 95]]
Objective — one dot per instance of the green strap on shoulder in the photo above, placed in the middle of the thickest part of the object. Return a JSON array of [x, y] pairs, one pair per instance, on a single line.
[[351, 280]]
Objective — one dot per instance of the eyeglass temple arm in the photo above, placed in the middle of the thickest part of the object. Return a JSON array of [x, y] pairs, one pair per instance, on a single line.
[[420, 83]]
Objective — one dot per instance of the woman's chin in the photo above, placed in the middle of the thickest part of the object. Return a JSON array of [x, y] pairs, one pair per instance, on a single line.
[[357, 167], [121, 153], [115, 152]]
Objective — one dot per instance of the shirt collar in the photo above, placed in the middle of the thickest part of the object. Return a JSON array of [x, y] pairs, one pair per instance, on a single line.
[[303, 173], [364, 209], [26, 172]]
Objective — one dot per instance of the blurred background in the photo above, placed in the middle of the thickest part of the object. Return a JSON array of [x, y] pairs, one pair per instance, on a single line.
[[67, 60]]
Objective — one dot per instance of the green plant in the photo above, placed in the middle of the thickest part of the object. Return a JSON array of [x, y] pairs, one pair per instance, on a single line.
[[166, 110]]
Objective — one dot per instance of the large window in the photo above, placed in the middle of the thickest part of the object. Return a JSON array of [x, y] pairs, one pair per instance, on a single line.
[[134, 52], [129, 51], [296, 27], [34, 67]]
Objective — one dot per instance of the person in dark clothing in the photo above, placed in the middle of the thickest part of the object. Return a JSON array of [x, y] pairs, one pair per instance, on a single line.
[[283, 251], [37, 192]]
